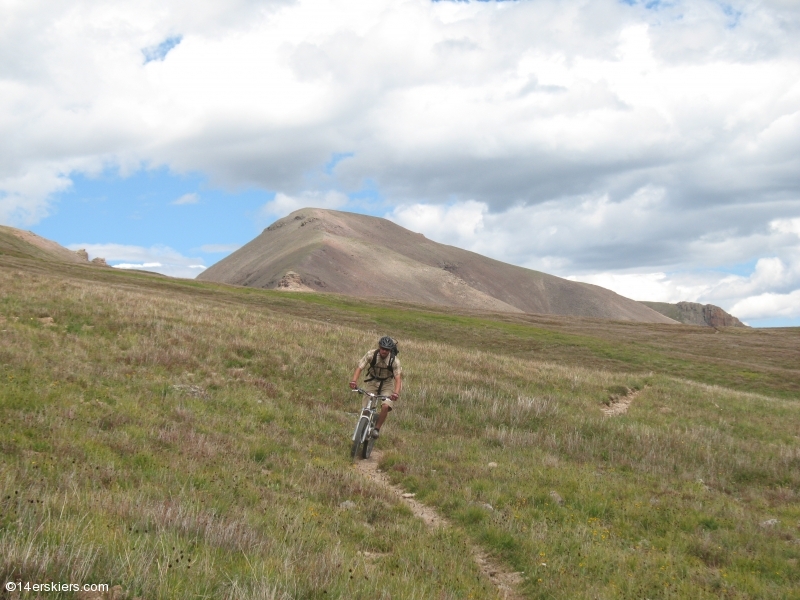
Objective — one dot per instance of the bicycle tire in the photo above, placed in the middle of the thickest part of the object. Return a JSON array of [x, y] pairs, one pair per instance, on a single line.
[[366, 449], [362, 425]]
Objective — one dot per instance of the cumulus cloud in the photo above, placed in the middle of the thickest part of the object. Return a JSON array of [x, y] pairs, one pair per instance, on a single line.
[[188, 199], [590, 233], [625, 141], [283, 204], [159, 259], [191, 198], [24, 197], [459, 224], [611, 244], [740, 295], [521, 102], [769, 306]]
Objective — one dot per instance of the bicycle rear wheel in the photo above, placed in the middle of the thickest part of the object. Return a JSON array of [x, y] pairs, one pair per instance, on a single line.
[[366, 448], [360, 429]]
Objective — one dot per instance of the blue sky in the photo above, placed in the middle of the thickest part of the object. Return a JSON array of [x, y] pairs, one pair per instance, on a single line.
[[156, 208], [649, 147], [160, 51], [178, 221]]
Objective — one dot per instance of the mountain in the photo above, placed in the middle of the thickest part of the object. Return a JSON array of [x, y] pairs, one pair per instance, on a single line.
[[26, 244], [692, 313], [358, 255]]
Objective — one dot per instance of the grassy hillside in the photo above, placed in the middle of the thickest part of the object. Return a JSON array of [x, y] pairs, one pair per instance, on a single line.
[[665, 308], [184, 439], [11, 245]]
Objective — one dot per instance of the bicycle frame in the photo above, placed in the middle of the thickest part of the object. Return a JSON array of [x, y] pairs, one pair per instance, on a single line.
[[369, 417]]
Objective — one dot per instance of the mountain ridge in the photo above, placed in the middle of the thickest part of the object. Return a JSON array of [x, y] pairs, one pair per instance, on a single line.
[[364, 256]]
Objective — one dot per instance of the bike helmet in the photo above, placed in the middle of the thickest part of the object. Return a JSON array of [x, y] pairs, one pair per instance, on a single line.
[[387, 342]]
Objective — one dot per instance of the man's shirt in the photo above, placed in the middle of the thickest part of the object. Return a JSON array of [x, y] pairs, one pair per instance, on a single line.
[[380, 362]]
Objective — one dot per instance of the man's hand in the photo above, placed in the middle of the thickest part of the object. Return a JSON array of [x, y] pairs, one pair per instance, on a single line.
[[394, 396], [353, 385]]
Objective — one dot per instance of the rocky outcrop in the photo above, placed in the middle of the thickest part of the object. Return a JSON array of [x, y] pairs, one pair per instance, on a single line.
[[84, 257], [292, 282], [694, 313], [708, 314]]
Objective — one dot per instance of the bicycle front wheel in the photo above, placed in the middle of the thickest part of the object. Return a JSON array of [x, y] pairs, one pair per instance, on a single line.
[[366, 449], [360, 430]]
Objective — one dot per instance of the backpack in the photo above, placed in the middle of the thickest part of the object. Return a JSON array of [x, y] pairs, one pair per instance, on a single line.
[[390, 365]]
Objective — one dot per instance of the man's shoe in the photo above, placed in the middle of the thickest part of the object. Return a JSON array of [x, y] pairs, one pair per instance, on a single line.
[[376, 433]]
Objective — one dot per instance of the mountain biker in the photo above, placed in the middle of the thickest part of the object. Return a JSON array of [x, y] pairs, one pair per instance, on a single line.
[[383, 373]]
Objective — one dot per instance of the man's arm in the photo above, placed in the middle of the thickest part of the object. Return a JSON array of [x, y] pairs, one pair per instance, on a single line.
[[398, 386], [354, 380]]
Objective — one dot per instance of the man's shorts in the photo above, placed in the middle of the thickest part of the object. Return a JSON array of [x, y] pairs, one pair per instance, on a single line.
[[384, 388]]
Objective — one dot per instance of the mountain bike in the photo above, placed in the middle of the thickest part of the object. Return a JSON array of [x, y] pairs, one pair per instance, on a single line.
[[362, 436]]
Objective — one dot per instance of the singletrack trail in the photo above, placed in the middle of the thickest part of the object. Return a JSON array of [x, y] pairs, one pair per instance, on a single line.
[[505, 581], [620, 405]]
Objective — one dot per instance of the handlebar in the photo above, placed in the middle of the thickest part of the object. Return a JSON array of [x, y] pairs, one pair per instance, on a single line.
[[371, 395]]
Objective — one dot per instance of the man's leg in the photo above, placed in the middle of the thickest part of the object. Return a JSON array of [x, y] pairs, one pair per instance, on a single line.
[[382, 417], [386, 406]]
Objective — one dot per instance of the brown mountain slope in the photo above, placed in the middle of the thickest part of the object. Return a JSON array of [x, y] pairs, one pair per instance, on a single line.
[[358, 255], [693, 313], [26, 244], [17, 242]]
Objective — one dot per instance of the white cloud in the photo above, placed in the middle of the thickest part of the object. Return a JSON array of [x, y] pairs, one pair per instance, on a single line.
[[562, 238], [139, 266], [769, 306], [656, 287], [786, 226], [188, 199], [771, 289], [577, 233], [24, 198], [592, 139], [458, 224], [284, 204], [159, 259], [501, 103]]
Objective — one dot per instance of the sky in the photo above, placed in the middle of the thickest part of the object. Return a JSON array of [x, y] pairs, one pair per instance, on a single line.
[[651, 147]]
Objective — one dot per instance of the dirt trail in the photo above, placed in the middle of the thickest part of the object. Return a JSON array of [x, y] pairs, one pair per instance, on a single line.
[[620, 404], [505, 581]]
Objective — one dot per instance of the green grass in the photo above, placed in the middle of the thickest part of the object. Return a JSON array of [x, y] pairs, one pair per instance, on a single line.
[[184, 439]]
